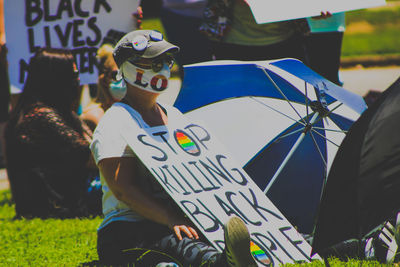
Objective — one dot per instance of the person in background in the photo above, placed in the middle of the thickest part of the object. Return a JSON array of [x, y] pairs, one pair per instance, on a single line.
[[108, 91], [181, 20], [138, 213], [4, 99], [324, 44], [239, 37], [4, 85], [50, 168]]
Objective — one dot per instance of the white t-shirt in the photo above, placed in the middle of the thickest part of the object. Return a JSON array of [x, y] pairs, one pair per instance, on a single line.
[[109, 143]]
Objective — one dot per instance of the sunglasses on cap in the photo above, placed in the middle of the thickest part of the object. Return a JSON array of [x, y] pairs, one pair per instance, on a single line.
[[156, 64]]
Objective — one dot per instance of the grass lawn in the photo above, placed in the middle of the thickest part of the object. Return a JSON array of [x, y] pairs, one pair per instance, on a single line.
[[69, 242], [374, 31], [51, 242]]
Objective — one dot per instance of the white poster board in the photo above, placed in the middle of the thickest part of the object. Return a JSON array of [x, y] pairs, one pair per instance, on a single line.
[[265, 11], [209, 186], [79, 25]]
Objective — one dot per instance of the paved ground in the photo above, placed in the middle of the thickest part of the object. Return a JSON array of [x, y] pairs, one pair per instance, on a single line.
[[360, 81], [3, 179], [357, 80]]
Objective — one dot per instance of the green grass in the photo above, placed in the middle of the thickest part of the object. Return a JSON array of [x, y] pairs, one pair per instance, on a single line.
[[373, 31], [51, 242], [68, 242], [383, 42]]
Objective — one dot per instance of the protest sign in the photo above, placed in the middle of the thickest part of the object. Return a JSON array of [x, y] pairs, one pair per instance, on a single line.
[[265, 11], [73, 24], [209, 186]]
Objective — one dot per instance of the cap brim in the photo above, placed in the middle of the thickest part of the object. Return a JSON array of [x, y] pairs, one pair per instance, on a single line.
[[158, 48]]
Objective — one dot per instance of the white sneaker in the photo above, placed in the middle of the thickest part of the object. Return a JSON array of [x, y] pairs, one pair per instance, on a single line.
[[237, 244], [167, 264]]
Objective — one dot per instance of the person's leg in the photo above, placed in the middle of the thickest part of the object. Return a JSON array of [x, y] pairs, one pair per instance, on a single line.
[[4, 101], [192, 252], [183, 31], [122, 242], [290, 48], [323, 52], [119, 241]]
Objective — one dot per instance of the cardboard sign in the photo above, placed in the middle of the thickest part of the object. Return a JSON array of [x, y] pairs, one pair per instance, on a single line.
[[265, 11], [209, 186], [73, 24]]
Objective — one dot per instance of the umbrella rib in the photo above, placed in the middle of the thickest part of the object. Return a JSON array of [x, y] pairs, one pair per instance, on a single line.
[[288, 156], [306, 89], [325, 138], [323, 159], [284, 96], [288, 134], [330, 130], [277, 111], [319, 151]]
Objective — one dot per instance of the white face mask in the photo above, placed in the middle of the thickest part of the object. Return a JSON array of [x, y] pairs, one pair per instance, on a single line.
[[146, 79], [118, 89]]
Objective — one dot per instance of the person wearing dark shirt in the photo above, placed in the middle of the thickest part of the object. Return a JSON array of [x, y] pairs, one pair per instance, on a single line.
[[48, 159]]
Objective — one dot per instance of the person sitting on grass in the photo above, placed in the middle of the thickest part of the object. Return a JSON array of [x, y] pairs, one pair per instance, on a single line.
[[108, 90], [50, 168], [138, 213]]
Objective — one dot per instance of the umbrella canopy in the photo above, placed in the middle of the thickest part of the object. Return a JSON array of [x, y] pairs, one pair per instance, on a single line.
[[280, 120], [364, 182]]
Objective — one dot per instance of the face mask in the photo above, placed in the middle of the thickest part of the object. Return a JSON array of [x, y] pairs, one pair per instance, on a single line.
[[118, 89], [146, 79]]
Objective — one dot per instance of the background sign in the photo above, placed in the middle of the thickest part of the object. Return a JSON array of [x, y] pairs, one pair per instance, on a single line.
[[79, 25], [209, 186], [265, 11]]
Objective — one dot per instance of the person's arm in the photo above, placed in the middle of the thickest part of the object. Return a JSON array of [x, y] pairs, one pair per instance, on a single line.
[[121, 177], [138, 17]]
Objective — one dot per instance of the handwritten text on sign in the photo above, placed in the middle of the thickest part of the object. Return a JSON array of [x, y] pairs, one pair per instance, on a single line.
[[209, 186], [79, 25]]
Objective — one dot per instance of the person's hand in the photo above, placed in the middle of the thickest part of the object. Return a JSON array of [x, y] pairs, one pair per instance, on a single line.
[[187, 230], [138, 16], [182, 226], [324, 15]]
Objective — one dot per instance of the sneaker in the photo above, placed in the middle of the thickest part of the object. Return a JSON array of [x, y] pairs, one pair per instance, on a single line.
[[167, 264], [382, 243], [237, 244]]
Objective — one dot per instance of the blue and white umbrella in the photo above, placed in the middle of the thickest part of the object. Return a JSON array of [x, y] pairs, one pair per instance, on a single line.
[[279, 119]]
